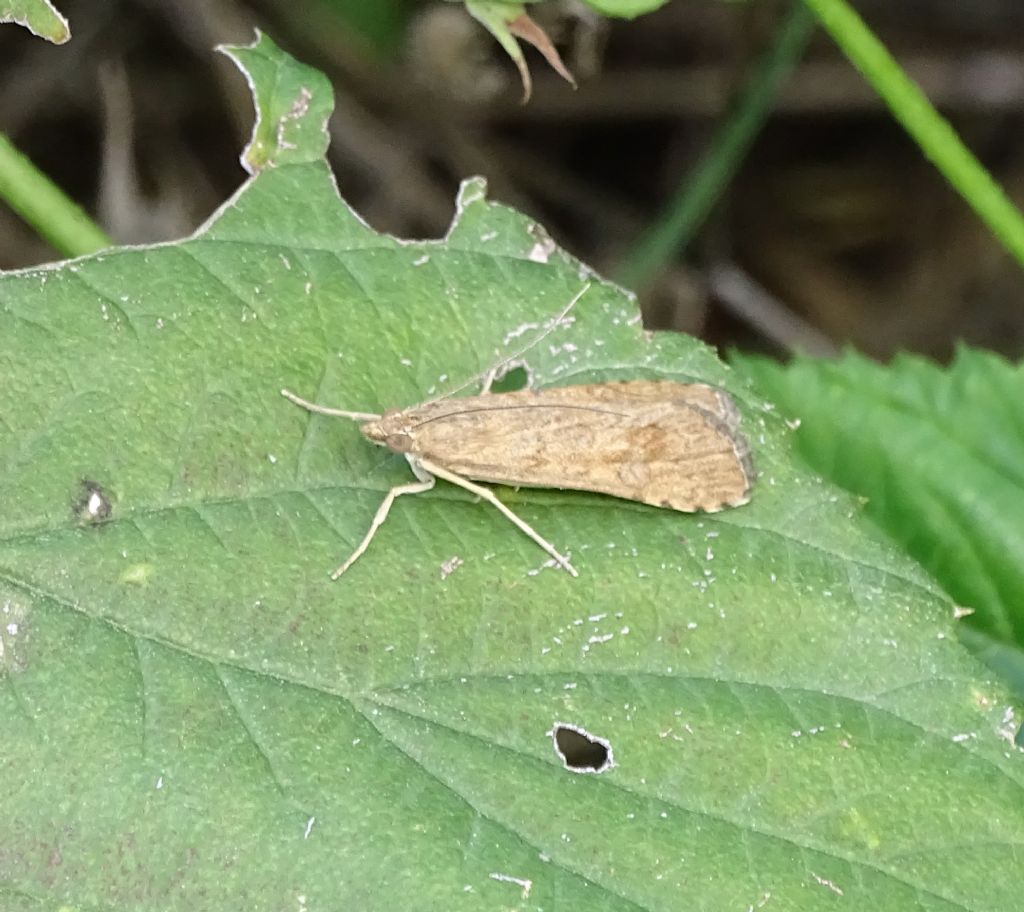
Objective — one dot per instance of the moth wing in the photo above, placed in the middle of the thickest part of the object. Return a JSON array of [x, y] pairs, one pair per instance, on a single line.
[[667, 444], [709, 398]]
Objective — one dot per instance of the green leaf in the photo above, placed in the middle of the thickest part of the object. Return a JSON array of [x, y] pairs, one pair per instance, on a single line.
[[938, 452], [193, 717], [625, 9], [293, 104], [495, 15], [381, 24], [40, 17]]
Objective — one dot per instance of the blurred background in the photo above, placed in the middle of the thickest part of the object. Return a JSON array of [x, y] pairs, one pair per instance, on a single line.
[[834, 231]]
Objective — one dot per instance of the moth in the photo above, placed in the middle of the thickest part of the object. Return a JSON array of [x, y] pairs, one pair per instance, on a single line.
[[658, 442]]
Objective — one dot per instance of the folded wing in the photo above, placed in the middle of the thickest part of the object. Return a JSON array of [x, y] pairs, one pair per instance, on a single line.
[[668, 444]]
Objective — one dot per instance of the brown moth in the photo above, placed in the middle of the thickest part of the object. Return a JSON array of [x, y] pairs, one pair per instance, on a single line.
[[658, 442]]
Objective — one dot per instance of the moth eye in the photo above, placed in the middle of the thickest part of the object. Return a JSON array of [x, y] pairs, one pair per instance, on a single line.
[[399, 443]]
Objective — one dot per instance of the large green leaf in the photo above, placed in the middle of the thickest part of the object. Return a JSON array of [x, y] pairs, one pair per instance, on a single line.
[[193, 717], [939, 453]]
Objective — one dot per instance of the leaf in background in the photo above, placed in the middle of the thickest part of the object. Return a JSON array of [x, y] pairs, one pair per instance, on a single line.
[[40, 17], [939, 453], [380, 24], [193, 717], [524, 27], [506, 21], [625, 9]]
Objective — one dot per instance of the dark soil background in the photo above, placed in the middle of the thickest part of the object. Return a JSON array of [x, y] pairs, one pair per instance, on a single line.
[[836, 230]]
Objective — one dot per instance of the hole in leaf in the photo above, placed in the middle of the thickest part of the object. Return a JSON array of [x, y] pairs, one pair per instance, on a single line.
[[515, 378], [92, 503], [581, 752]]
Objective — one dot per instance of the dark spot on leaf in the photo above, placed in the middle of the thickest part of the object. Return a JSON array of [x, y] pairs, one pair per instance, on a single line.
[[1018, 741], [581, 752], [92, 503]]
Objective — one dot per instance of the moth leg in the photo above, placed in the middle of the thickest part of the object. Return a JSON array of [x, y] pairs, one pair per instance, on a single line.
[[414, 487], [490, 497]]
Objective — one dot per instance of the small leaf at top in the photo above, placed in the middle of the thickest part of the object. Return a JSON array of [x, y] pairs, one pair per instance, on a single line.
[[40, 17], [507, 20]]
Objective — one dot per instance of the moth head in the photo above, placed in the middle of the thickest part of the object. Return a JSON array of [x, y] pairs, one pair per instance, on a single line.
[[388, 431]]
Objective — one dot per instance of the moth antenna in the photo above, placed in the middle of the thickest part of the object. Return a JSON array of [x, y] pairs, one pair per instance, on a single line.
[[323, 410], [562, 314]]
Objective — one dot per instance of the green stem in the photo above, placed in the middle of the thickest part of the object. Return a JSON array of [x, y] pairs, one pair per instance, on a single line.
[[44, 205], [698, 193], [933, 134]]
